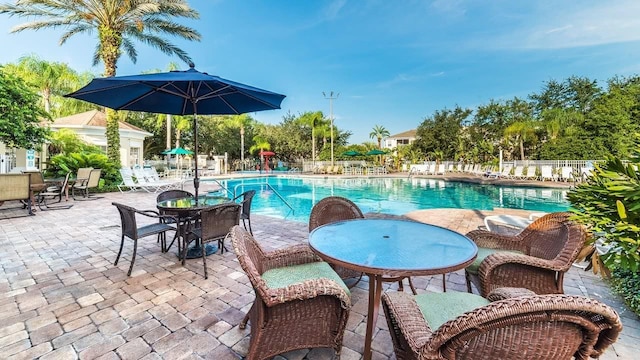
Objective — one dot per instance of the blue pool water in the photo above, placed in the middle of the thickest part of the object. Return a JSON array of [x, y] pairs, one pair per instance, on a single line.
[[390, 195]]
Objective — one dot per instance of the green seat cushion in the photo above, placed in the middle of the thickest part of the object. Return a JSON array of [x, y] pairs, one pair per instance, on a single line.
[[438, 308], [482, 254], [297, 274]]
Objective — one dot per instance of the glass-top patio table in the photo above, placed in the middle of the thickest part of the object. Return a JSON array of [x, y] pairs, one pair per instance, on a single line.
[[386, 249], [185, 209]]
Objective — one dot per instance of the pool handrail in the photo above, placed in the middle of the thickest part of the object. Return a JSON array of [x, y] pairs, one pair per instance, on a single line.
[[270, 187]]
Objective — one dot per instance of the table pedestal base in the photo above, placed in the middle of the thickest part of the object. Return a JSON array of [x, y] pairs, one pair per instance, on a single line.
[[195, 252]]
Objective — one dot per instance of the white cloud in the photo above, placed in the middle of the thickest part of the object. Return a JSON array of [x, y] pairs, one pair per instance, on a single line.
[[605, 22]]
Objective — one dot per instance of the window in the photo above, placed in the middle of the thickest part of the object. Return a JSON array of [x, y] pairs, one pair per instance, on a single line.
[[403, 141], [134, 154]]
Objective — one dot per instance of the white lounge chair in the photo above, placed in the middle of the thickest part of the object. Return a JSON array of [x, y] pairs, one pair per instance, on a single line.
[[510, 221], [546, 173], [128, 181], [566, 173], [147, 184], [531, 173], [518, 173]]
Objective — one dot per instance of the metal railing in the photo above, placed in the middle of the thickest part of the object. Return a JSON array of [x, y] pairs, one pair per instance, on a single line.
[[265, 183]]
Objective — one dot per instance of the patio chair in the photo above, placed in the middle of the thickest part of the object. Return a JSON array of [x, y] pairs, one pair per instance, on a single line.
[[566, 173], [546, 173], [169, 195], [300, 302], [511, 221], [131, 230], [509, 324], [213, 224], [531, 173], [37, 185], [53, 192], [247, 198], [128, 182], [85, 185], [518, 173], [535, 258]]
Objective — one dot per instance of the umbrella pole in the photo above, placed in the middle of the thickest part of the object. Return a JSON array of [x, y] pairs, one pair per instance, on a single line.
[[196, 180]]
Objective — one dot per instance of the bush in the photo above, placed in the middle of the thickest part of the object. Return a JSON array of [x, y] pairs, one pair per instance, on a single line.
[[61, 164], [627, 284]]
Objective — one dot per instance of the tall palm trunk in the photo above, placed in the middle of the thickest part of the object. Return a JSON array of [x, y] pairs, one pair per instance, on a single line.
[[110, 42], [241, 146]]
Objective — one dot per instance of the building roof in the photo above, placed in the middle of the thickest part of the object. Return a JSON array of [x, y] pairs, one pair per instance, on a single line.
[[406, 134], [92, 118]]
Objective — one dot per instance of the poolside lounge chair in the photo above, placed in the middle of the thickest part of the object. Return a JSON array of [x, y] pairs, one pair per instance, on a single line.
[[546, 173], [509, 324], [149, 184], [300, 302], [566, 173], [531, 173], [518, 173], [536, 258], [511, 221]]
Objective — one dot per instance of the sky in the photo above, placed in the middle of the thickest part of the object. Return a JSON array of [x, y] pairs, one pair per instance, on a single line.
[[388, 63]]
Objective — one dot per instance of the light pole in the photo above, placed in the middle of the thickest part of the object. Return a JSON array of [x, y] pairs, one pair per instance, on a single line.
[[331, 97]]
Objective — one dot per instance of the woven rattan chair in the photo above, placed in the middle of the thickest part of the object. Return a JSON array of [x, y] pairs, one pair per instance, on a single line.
[[247, 198], [332, 209], [536, 258], [300, 301], [531, 327], [131, 230], [213, 225]]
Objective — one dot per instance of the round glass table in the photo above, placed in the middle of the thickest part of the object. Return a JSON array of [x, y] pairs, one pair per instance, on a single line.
[[389, 249], [185, 209]]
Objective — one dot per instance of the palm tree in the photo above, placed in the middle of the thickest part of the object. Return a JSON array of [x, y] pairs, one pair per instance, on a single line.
[[314, 120], [379, 132], [118, 23], [50, 78], [241, 121], [522, 131]]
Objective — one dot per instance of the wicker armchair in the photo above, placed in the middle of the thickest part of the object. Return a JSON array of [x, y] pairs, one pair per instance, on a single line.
[[514, 327], [332, 209], [536, 258], [300, 301]]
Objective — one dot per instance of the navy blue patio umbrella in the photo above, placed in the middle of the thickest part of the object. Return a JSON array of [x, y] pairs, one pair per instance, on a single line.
[[187, 92]]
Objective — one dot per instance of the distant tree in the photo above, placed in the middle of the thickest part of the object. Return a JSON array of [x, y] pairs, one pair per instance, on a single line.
[[379, 132], [20, 114], [118, 23], [441, 131]]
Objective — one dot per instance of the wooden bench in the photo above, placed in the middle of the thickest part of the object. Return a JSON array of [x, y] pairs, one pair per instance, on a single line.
[[16, 187]]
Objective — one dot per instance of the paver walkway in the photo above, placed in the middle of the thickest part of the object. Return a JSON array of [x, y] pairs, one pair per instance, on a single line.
[[62, 298]]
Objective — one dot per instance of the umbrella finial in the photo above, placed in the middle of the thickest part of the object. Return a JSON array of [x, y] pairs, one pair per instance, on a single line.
[[191, 65]]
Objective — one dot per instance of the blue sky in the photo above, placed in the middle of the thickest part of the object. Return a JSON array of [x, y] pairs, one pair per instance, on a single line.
[[393, 63]]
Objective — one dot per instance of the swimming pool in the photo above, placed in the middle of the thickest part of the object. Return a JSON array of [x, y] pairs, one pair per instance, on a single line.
[[390, 195]]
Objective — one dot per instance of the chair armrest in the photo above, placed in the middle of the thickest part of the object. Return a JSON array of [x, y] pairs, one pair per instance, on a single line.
[[406, 320], [507, 293], [292, 255], [157, 215], [503, 258], [303, 291], [491, 240]]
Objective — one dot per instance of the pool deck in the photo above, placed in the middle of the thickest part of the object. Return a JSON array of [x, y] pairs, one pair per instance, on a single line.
[[62, 298]]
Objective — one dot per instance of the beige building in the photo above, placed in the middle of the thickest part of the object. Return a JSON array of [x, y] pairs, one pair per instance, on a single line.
[[403, 138], [90, 126]]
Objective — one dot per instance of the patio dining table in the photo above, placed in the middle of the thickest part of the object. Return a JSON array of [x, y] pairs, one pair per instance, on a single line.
[[388, 249], [186, 210]]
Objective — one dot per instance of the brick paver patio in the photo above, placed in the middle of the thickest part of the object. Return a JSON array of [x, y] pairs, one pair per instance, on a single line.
[[62, 298]]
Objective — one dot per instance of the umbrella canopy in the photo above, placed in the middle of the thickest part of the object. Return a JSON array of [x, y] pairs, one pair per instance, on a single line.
[[178, 151], [351, 153], [266, 153], [187, 92], [376, 152]]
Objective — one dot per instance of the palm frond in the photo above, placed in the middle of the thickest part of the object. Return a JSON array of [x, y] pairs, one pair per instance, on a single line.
[[130, 50], [80, 28]]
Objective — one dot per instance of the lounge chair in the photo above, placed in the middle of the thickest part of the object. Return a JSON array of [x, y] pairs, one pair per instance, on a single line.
[[566, 173], [546, 173], [508, 324], [148, 184], [518, 173], [531, 173], [511, 221]]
